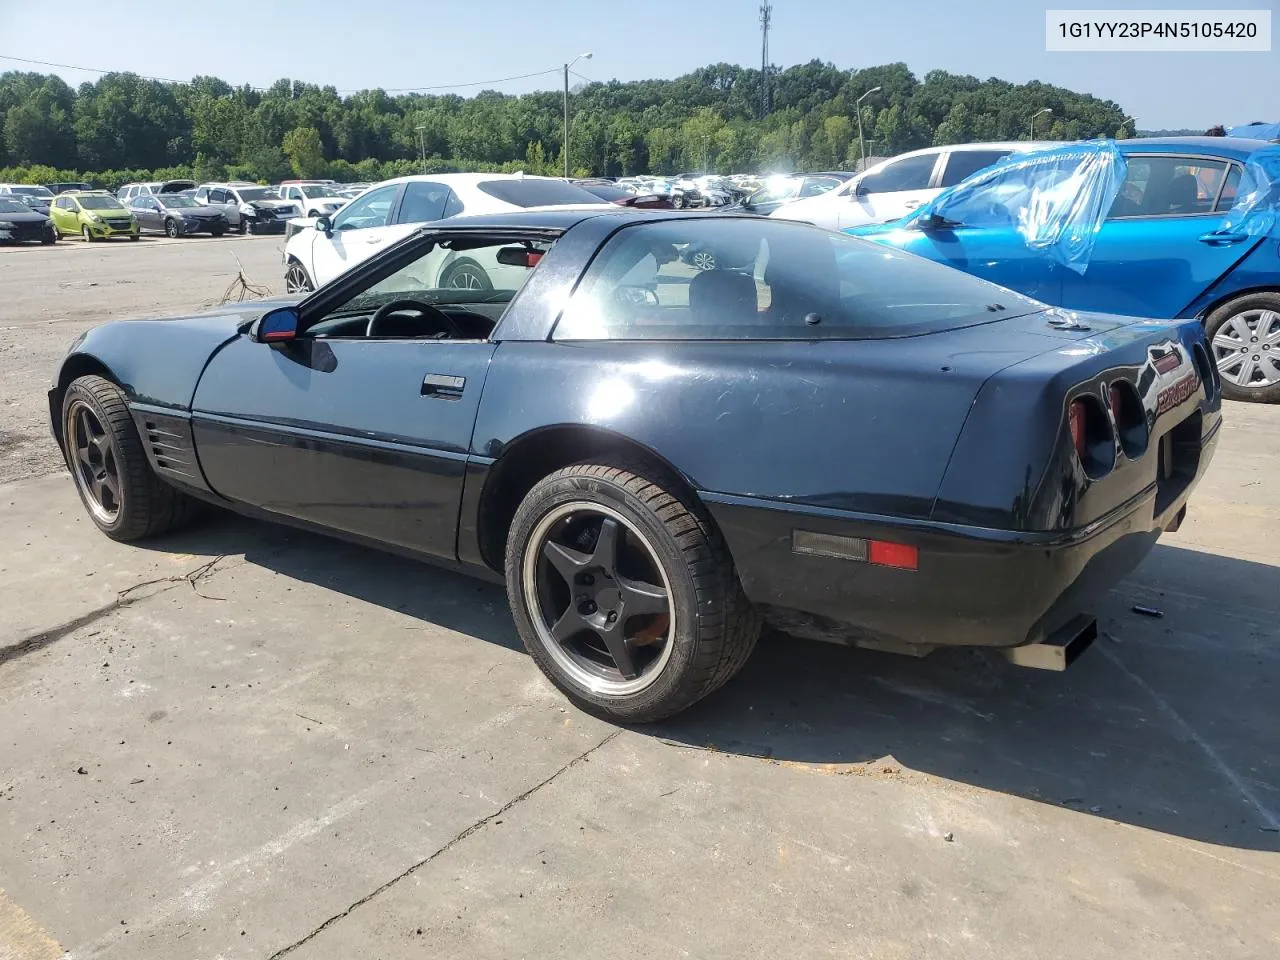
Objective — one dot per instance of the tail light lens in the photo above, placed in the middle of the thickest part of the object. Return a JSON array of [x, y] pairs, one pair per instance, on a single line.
[[1092, 436], [1078, 418]]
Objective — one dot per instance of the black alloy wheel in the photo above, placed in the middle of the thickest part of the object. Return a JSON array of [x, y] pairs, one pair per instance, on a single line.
[[624, 593], [124, 497]]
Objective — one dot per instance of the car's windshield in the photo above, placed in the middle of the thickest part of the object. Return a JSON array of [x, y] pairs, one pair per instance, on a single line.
[[100, 203], [536, 192], [176, 201], [771, 280], [249, 194], [313, 190], [12, 206], [41, 192]]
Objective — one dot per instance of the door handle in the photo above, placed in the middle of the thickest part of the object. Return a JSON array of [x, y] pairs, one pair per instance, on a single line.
[[912, 204], [443, 385], [373, 239], [1222, 239]]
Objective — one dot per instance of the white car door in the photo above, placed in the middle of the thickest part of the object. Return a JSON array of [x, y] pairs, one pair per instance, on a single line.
[[359, 230], [890, 191], [224, 200]]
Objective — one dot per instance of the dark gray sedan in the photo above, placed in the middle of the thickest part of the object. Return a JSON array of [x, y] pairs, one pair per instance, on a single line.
[[177, 216]]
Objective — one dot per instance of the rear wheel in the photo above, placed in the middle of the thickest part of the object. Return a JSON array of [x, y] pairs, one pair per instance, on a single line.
[[1244, 336], [466, 274], [624, 592], [124, 497], [296, 279]]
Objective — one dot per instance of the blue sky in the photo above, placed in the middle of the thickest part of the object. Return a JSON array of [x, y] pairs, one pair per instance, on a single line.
[[404, 44]]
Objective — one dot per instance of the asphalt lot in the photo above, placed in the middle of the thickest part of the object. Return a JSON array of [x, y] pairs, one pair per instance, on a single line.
[[242, 741]]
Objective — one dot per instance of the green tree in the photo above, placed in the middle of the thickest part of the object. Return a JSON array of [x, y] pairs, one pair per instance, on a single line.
[[305, 152]]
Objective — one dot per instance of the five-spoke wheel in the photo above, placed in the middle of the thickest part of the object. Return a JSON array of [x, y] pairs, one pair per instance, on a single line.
[[96, 470], [623, 591]]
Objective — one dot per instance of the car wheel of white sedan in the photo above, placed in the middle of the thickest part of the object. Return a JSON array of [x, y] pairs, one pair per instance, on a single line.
[[624, 592], [1244, 335], [296, 279], [466, 274]]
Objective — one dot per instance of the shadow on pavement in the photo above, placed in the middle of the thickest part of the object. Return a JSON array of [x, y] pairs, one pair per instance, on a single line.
[[1168, 723]]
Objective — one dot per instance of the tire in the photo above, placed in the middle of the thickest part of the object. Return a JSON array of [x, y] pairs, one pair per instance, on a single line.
[[49, 238], [244, 226], [296, 279], [466, 274], [87, 234], [678, 202], [1244, 341], [138, 503], [657, 529], [171, 228], [133, 237]]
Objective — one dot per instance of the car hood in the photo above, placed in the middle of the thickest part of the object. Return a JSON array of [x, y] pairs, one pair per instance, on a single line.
[[25, 216]]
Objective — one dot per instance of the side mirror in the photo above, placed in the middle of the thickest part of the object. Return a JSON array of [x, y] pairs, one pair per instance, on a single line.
[[276, 326], [325, 225], [859, 190]]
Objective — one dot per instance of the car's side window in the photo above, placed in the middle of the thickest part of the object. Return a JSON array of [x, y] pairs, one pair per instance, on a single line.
[[909, 173], [452, 206], [1227, 198], [217, 196], [423, 201], [371, 210], [1156, 186], [965, 163]]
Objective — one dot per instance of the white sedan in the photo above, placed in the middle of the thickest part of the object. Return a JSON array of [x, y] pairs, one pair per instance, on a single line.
[[392, 210]]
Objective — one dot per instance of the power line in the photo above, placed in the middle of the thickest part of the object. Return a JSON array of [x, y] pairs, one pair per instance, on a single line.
[[442, 86]]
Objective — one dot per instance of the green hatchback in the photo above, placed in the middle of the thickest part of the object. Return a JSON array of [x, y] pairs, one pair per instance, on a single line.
[[93, 214]]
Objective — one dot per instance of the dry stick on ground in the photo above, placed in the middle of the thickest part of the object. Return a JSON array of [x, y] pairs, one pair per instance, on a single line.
[[241, 289]]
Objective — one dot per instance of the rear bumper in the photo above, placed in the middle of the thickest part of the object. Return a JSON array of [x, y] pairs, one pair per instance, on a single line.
[[974, 587]]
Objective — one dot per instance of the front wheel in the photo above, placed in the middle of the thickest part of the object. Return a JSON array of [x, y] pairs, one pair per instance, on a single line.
[[624, 593], [50, 236], [171, 229], [296, 279], [1244, 336], [87, 234], [124, 497], [244, 226]]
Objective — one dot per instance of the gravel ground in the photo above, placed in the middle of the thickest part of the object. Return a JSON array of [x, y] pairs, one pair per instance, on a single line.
[[53, 294]]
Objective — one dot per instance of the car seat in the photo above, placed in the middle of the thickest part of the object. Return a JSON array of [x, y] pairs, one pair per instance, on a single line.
[[1183, 194], [719, 298]]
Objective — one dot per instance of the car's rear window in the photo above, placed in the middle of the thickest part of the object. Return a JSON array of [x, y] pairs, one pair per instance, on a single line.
[[536, 193], [757, 279]]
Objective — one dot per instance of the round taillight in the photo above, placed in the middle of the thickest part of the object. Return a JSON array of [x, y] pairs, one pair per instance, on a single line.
[[1129, 417]]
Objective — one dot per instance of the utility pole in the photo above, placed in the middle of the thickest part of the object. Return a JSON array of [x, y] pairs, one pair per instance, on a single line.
[[862, 146], [581, 56], [766, 15], [422, 145]]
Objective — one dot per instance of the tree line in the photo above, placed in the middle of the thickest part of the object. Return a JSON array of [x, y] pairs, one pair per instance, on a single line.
[[124, 127]]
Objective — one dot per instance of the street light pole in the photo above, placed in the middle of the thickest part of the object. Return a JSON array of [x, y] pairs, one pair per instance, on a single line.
[[1033, 120], [581, 56], [422, 145], [862, 146]]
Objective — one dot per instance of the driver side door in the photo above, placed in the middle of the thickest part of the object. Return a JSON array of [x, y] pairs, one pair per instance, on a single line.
[[359, 230], [890, 192], [366, 436]]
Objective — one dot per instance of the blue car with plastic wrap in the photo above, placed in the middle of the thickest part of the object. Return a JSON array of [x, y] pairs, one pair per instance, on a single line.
[[1169, 228]]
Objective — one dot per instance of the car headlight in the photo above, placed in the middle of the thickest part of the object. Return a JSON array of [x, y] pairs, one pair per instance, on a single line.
[[94, 217], [8, 225]]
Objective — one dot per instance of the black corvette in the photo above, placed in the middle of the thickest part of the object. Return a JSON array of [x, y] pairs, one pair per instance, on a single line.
[[836, 438]]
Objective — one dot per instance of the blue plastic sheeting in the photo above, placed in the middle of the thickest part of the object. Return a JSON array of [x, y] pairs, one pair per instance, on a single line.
[[1257, 205], [1256, 131], [1056, 199]]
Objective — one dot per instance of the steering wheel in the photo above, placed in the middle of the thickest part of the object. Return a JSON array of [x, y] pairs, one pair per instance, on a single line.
[[423, 310]]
